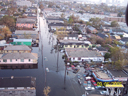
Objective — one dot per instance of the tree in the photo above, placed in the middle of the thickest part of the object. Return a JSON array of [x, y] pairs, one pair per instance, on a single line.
[[47, 90], [41, 6], [88, 23], [114, 24], [5, 32], [120, 14], [61, 33], [108, 40], [96, 22], [9, 21], [62, 15], [107, 55]]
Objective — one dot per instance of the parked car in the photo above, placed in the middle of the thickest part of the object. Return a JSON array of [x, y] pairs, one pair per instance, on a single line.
[[100, 87], [89, 88], [85, 84], [79, 81], [103, 92], [73, 67], [93, 82], [89, 83], [76, 70], [88, 78], [86, 74]]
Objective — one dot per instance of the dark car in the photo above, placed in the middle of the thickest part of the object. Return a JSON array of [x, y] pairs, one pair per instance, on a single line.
[[75, 70]]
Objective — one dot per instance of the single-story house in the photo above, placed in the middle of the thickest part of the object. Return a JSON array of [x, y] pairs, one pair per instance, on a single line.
[[91, 29], [19, 58], [18, 85], [25, 23], [117, 31], [74, 44], [101, 50], [27, 42], [55, 26], [83, 54], [124, 41], [17, 48], [54, 20]]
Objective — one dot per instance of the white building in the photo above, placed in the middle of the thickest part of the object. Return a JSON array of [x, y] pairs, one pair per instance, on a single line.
[[82, 54], [24, 3]]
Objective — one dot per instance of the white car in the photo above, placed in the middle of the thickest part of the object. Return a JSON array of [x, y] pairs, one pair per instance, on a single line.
[[103, 92], [89, 88]]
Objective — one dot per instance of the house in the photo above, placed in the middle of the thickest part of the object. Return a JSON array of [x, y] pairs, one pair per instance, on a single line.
[[55, 26], [117, 31], [74, 44], [83, 54], [54, 20], [102, 36], [24, 3], [9, 59], [117, 37], [123, 40], [71, 37], [17, 48], [20, 86], [118, 19], [83, 29], [91, 29], [101, 50], [27, 42], [25, 24], [25, 32]]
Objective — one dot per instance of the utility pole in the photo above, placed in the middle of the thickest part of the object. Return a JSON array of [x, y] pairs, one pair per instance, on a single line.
[[57, 55], [65, 76]]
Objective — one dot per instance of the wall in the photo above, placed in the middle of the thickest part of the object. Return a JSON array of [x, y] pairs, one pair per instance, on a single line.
[[26, 61], [88, 59]]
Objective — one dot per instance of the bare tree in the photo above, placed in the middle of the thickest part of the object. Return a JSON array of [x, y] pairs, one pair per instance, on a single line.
[[47, 90]]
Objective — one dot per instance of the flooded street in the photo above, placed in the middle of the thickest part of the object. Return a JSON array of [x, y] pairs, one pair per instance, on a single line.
[[48, 59]]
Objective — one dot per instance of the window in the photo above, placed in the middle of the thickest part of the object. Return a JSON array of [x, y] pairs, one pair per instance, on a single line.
[[73, 58], [82, 45], [66, 45], [70, 45], [22, 60], [77, 45], [4, 60], [16, 59], [79, 58], [29, 60], [10, 60]]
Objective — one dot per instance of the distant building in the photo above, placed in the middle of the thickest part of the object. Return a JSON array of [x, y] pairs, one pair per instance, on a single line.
[[24, 3], [17, 86], [91, 29], [118, 19]]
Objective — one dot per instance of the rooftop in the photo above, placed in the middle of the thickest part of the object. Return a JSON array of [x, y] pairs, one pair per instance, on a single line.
[[25, 32], [25, 20], [17, 47], [22, 40], [81, 52], [74, 41], [17, 82], [19, 56]]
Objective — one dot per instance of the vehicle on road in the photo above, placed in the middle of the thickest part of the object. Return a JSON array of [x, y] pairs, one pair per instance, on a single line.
[[79, 81], [93, 82], [88, 78], [89, 88]]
